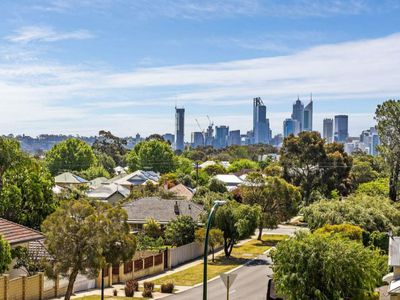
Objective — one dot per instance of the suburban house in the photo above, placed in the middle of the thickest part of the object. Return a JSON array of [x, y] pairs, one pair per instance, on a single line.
[[393, 279], [18, 235], [229, 180], [68, 179], [139, 177], [120, 170], [182, 191], [162, 210], [95, 183], [111, 193]]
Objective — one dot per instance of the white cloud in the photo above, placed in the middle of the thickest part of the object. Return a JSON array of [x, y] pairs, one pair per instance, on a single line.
[[59, 94], [46, 34]]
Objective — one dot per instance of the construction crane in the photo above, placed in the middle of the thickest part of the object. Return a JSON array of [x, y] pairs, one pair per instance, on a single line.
[[198, 124], [211, 124]]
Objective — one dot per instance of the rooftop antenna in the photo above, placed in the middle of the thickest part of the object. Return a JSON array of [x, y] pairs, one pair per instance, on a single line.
[[311, 97]]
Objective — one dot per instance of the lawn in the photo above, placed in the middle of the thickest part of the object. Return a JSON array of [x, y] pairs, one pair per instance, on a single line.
[[240, 255], [109, 298]]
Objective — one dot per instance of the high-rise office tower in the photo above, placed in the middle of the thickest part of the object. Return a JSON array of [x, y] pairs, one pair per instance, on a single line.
[[197, 139], [327, 131], [308, 116], [341, 128], [298, 113], [169, 137], [291, 126], [260, 122], [180, 128], [234, 138], [221, 136]]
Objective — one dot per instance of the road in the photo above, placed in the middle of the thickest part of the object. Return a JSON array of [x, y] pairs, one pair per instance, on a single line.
[[251, 283]]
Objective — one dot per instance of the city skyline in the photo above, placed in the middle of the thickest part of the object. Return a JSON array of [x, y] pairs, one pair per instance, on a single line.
[[76, 67]]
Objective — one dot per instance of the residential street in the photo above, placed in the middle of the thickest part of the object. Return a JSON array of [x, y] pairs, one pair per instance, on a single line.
[[251, 283]]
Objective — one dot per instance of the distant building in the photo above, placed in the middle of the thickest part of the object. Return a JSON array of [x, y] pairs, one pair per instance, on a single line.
[[234, 138], [308, 117], [170, 138], [261, 129], [298, 113], [209, 135], [180, 128], [197, 139], [221, 136], [370, 138], [291, 126], [67, 179], [374, 143], [328, 130], [277, 140], [341, 128]]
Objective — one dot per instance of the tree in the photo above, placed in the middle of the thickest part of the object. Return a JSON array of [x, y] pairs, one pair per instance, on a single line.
[[362, 172], [106, 161], [277, 199], [237, 221], [83, 238], [27, 196], [180, 231], [349, 231], [378, 187], [184, 165], [154, 155], [5, 255], [94, 172], [29, 261], [111, 145], [152, 228], [215, 238], [388, 117], [71, 154], [217, 186], [315, 167], [10, 156], [242, 164], [315, 266], [370, 213], [215, 169]]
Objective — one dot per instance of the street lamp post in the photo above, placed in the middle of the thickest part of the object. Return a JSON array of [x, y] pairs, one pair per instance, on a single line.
[[210, 218]]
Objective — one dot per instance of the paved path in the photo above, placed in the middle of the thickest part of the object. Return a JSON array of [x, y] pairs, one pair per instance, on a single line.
[[251, 283]]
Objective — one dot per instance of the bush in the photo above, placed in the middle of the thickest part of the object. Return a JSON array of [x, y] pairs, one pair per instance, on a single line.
[[115, 292], [148, 285], [180, 231], [377, 239], [147, 293], [167, 288], [217, 186], [349, 231], [131, 286]]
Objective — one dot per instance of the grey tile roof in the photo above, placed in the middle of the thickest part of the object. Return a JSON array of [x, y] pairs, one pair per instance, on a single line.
[[105, 191], [162, 210], [69, 178], [394, 251]]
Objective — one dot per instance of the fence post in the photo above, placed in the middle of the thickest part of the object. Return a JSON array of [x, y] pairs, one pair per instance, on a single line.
[[23, 277], [56, 286], [41, 285], [121, 275], [6, 285], [110, 276]]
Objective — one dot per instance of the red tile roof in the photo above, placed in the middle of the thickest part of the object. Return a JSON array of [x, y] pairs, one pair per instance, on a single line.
[[18, 234]]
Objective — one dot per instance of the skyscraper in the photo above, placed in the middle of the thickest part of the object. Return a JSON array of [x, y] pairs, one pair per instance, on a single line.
[[298, 113], [291, 126], [180, 128], [260, 122], [327, 131], [234, 138], [341, 128], [308, 117], [197, 139], [221, 136]]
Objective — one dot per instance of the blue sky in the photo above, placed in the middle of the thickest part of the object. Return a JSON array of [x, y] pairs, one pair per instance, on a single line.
[[78, 66]]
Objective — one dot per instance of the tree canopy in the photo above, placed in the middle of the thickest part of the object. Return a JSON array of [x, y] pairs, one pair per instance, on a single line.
[[5, 255], [180, 231], [110, 145], [70, 155], [320, 266]]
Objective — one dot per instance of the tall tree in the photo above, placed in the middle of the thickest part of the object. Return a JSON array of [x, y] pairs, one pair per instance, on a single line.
[[83, 239], [27, 197], [152, 155], [388, 116], [316, 266], [110, 145], [237, 221], [277, 199], [5, 255], [215, 238], [10, 156], [70, 155], [180, 231]]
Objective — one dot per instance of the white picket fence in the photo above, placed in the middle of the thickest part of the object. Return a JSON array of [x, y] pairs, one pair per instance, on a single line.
[[184, 254]]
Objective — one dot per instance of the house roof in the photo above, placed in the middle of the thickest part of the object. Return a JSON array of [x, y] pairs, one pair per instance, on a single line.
[[394, 287], [182, 191], [17, 234], [95, 183], [162, 210], [69, 178], [138, 177], [229, 179], [394, 251], [105, 191], [207, 164]]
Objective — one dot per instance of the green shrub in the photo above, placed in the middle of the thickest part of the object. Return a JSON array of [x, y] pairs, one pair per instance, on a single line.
[[167, 288], [147, 293], [148, 285], [130, 287], [345, 230]]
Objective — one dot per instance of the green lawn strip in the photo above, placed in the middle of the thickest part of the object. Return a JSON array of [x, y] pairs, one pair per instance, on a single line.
[[109, 298], [240, 255]]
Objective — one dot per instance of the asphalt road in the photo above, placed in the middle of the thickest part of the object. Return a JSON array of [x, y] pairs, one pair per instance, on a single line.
[[250, 284]]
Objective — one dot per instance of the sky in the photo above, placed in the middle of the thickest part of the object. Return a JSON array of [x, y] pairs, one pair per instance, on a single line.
[[79, 66]]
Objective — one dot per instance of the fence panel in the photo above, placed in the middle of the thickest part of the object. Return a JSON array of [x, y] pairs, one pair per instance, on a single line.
[[185, 253], [15, 289]]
